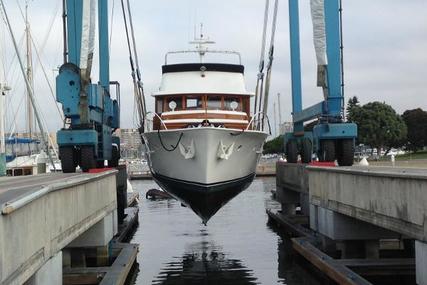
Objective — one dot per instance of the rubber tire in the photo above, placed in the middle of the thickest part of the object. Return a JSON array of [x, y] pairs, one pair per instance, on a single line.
[[292, 151], [306, 150], [100, 164], [87, 158], [327, 151], [115, 156], [67, 159], [345, 155]]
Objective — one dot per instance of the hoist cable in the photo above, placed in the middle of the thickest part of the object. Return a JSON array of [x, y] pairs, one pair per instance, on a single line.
[[138, 91], [138, 72], [270, 60], [260, 76]]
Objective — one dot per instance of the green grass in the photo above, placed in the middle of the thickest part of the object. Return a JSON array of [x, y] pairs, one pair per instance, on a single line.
[[412, 155], [406, 156]]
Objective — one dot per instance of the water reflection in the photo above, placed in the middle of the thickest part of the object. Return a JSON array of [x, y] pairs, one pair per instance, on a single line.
[[291, 268], [205, 263], [236, 247]]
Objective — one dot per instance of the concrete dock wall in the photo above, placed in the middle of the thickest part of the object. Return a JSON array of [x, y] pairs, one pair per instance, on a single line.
[[36, 226], [391, 198], [353, 208], [292, 186]]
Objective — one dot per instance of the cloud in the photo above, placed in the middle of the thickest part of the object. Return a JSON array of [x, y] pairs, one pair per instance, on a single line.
[[385, 44]]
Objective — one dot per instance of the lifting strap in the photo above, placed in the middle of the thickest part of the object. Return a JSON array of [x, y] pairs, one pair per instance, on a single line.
[[135, 71], [260, 76], [270, 60]]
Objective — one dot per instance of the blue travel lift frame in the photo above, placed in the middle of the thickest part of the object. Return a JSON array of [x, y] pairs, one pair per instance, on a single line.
[[89, 110], [331, 138]]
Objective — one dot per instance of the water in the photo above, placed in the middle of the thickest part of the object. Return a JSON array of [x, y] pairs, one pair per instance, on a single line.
[[236, 247]]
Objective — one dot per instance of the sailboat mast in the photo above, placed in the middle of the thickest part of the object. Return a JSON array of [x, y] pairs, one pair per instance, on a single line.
[[275, 119], [27, 82], [29, 71], [279, 109], [2, 134], [3, 89]]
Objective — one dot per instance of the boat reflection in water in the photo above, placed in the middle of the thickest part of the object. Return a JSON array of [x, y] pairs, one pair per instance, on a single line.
[[204, 263], [204, 201]]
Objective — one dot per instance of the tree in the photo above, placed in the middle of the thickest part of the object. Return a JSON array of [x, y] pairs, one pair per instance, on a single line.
[[353, 106], [274, 146], [379, 125], [416, 122]]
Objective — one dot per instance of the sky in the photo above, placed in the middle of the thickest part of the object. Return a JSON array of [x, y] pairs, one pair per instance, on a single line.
[[385, 44]]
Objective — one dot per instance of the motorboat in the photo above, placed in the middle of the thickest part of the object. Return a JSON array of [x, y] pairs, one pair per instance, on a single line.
[[203, 143]]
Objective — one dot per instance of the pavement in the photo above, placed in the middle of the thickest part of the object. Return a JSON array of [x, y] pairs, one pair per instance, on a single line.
[[12, 188]]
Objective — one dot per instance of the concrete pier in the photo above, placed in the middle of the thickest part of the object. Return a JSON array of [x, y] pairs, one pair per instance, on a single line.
[[41, 215], [354, 208], [391, 198]]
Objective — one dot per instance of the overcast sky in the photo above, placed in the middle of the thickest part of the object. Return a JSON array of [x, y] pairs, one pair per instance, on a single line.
[[385, 49]]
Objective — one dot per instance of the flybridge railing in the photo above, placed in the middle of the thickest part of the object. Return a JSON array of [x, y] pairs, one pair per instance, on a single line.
[[203, 53]]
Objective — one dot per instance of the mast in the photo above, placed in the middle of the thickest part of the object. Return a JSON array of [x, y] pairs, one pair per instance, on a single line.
[[29, 72], [279, 110], [2, 134], [3, 89], [27, 82], [275, 119]]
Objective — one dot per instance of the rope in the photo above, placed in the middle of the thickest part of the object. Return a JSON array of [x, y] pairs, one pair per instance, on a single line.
[[163, 145], [47, 80]]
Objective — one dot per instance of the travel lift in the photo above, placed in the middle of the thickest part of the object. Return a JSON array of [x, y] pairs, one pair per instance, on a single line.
[[331, 138], [91, 114]]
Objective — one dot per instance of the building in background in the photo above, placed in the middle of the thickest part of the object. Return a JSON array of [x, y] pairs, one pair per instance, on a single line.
[[131, 146], [286, 127]]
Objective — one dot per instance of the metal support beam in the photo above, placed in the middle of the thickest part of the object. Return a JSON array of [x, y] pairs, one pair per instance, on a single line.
[[308, 113], [104, 55], [295, 61], [74, 30], [332, 24]]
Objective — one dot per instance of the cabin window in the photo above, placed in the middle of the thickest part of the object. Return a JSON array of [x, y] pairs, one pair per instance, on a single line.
[[228, 103], [159, 105], [245, 105], [214, 103], [178, 102], [194, 102]]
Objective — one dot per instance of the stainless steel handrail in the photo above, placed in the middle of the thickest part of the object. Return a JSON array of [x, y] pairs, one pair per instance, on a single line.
[[155, 114]]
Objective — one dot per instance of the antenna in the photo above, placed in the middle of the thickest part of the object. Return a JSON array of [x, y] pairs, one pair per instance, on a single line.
[[200, 43]]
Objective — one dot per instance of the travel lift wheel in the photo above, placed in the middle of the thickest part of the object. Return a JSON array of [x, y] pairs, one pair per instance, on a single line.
[[345, 152], [115, 156], [306, 150], [100, 164], [68, 162], [327, 151], [87, 158], [292, 151]]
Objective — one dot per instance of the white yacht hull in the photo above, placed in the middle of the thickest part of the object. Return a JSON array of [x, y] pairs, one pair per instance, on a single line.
[[204, 155], [204, 167]]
